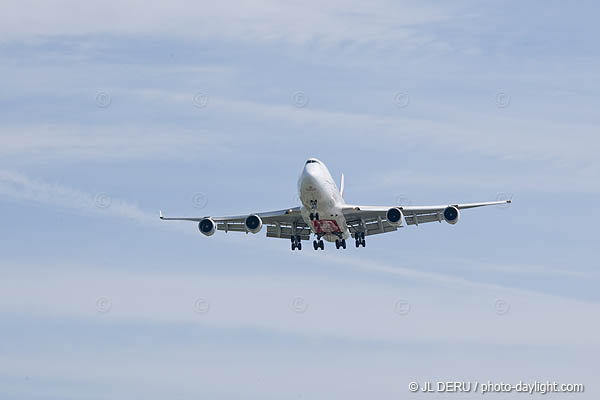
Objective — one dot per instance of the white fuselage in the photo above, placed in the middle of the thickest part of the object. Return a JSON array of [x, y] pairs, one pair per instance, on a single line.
[[320, 195]]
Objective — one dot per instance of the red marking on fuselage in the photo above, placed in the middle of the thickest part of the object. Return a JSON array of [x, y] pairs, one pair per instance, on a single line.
[[326, 226]]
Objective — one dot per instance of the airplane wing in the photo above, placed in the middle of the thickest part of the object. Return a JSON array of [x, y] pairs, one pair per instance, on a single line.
[[373, 220], [280, 224]]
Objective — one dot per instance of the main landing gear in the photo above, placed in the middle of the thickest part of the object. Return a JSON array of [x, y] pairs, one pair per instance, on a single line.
[[296, 243], [318, 244], [359, 239], [314, 217], [340, 243]]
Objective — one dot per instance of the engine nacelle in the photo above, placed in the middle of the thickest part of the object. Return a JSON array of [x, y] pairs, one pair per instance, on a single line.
[[207, 226], [394, 216], [451, 215], [253, 223]]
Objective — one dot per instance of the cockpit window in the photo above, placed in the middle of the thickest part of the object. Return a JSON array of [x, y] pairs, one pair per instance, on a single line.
[[312, 161]]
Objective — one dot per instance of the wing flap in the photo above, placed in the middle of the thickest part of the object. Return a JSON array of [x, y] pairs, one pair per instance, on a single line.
[[371, 226], [286, 231], [231, 227], [423, 218]]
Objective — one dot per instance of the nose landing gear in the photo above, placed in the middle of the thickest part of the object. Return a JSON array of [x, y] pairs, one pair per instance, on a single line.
[[313, 207]]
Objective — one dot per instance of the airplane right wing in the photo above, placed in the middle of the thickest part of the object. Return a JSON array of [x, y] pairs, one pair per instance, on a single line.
[[374, 220]]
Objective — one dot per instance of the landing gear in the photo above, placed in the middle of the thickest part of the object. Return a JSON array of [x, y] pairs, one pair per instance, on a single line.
[[296, 243], [318, 244], [313, 207], [340, 244], [359, 239]]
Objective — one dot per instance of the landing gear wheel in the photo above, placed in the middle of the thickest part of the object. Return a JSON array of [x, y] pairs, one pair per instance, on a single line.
[[296, 242], [316, 245], [359, 239], [311, 216], [343, 244], [321, 245], [337, 244], [317, 216]]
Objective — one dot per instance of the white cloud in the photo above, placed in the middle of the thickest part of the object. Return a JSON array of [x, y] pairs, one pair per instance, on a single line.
[[108, 141], [457, 312], [514, 138], [19, 187], [265, 21], [502, 182]]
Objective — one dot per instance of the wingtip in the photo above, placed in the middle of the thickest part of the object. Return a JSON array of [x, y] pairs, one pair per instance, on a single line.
[[160, 215]]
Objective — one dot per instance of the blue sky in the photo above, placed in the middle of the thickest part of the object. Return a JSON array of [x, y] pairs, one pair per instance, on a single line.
[[111, 111]]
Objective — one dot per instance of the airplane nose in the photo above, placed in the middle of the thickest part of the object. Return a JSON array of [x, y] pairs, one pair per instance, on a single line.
[[310, 172], [309, 176]]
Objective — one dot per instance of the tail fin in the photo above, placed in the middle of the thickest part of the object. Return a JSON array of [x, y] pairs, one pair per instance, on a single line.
[[342, 186]]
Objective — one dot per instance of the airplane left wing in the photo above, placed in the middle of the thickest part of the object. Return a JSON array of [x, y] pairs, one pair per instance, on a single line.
[[280, 224], [374, 220]]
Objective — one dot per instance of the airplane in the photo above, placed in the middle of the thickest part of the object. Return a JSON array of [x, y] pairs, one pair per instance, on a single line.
[[326, 215]]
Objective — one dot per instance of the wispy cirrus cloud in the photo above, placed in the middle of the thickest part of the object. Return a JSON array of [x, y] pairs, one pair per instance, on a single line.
[[267, 21], [107, 141], [512, 138], [19, 187], [436, 313]]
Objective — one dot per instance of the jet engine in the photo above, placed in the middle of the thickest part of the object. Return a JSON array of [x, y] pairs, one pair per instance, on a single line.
[[451, 215], [394, 216], [207, 226], [253, 223]]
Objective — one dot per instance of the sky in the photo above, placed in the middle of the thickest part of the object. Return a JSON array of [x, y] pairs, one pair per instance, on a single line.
[[111, 111]]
